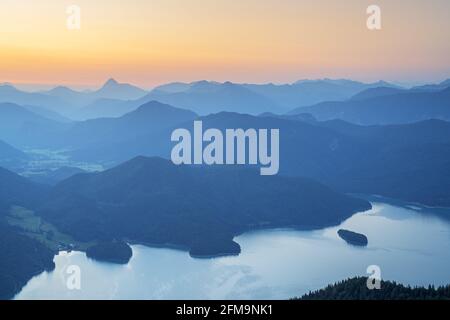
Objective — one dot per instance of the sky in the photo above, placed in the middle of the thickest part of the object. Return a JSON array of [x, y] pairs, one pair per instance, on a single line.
[[149, 42]]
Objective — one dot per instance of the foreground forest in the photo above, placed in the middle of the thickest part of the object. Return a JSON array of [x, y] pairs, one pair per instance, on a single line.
[[356, 289]]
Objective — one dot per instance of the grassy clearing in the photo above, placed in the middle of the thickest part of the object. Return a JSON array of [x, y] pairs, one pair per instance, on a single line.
[[35, 227]]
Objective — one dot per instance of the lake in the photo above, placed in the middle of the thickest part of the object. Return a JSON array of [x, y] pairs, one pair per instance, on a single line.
[[410, 243]]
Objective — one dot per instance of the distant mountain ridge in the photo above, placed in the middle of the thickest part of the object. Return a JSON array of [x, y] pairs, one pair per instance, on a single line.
[[348, 157], [149, 118], [66, 101], [206, 97], [11, 157], [9, 94], [374, 109], [115, 90], [388, 91], [20, 126], [115, 99]]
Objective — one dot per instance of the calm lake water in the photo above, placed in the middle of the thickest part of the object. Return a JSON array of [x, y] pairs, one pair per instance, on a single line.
[[409, 243]]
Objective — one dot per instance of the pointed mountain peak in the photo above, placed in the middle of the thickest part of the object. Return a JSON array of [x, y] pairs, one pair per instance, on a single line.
[[110, 82]]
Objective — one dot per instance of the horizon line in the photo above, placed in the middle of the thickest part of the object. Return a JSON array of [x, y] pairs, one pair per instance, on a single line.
[[43, 86]]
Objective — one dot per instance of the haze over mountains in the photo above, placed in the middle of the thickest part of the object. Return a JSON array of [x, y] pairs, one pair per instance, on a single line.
[[66, 101], [385, 106], [11, 157], [203, 97], [111, 89], [336, 137], [335, 153]]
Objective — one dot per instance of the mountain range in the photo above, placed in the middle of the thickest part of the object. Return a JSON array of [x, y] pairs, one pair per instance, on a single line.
[[206, 97], [373, 139], [111, 89], [350, 158], [399, 161], [385, 106], [65, 101], [115, 99]]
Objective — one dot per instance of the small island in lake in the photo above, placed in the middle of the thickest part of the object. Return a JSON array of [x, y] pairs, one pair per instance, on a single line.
[[115, 252], [353, 238]]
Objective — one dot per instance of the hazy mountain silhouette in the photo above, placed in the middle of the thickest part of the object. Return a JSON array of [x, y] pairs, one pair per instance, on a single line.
[[122, 91], [202, 97], [407, 107], [47, 113], [9, 94], [377, 92], [347, 157], [55, 176], [111, 89], [205, 97], [11, 157], [66, 101], [387, 91], [149, 118], [102, 108], [433, 87], [173, 87], [76, 98], [19, 126], [115, 99], [308, 92]]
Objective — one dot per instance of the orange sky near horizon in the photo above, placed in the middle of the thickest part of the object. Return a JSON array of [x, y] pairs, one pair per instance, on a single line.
[[157, 41]]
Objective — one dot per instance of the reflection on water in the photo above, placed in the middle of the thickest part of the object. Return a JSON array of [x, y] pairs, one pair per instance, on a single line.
[[411, 246]]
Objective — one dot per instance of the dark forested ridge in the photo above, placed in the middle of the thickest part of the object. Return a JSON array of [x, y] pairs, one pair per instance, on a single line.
[[21, 258], [17, 190], [52, 177], [356, 289], [151, 200]]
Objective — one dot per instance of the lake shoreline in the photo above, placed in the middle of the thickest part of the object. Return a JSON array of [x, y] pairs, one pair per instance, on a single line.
[[320, 254]]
